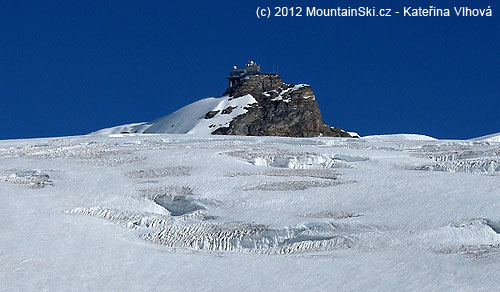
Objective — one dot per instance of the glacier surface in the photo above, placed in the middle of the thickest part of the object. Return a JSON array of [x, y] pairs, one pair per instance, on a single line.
[[129, 212]]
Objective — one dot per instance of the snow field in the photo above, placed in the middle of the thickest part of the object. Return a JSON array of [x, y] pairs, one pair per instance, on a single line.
[[187, 212]]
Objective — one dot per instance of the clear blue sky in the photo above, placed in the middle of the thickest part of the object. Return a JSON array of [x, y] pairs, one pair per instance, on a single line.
[[72, 67]]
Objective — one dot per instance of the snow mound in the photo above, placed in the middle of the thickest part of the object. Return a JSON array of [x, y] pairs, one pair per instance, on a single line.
[[488, 138], [398, 137], [191, 119], [354, 134], [124, 129], [467, 236]]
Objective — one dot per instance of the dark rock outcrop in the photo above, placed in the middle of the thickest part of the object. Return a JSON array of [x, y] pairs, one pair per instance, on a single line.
[[281, 110]]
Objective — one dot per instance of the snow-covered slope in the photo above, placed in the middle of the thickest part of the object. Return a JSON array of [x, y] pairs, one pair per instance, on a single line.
[[191, 118], [399, 137], [233, 213], [489, 138]]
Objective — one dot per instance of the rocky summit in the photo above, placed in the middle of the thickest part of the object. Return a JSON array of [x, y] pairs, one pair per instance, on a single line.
[[254, 104], [280, 110]]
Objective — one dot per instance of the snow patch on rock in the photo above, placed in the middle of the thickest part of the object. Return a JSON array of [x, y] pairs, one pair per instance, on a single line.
[[285, 92]]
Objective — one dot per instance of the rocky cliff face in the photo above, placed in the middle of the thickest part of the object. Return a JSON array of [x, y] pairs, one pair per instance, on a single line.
[[281, 110]]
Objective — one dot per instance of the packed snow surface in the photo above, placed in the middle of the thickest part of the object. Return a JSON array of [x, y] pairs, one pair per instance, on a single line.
[[170, 212]]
